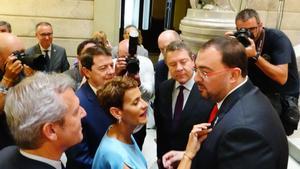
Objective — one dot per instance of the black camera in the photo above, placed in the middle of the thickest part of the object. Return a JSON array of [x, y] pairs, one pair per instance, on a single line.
[[36, 62], [133, 64], [242, 36]]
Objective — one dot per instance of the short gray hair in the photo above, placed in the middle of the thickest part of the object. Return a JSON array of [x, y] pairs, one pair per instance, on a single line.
[[33, 102]]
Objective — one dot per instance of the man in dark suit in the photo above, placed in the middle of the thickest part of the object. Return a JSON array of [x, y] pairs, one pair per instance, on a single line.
[[55, 56], [97, 67], [43, 115], [173, 128], [160, 68], [247, 132]]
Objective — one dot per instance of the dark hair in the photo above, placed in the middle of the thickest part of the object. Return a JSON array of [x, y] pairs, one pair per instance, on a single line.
[[87, 57], [113, 91], [179, 45], [42, 23], [246, 14], [85, 42], [4, 23], [232, 51]]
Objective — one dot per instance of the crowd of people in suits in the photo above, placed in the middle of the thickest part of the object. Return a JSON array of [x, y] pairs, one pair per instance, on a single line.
[[220, 108]]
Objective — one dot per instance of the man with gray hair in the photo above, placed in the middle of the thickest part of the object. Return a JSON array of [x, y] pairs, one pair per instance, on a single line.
[[44, 117]]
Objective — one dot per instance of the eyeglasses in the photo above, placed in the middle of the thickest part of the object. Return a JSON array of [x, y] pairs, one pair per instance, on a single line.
[[205, 75], [251, 29]]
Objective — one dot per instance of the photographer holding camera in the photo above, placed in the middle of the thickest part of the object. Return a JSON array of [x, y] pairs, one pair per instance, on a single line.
[[271, 65], [10, 70], [128, 63]]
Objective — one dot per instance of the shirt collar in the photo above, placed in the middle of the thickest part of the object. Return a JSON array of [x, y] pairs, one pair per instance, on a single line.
[[188, 85], [42, 49], [53, 163], [219, 104], [93, 88]]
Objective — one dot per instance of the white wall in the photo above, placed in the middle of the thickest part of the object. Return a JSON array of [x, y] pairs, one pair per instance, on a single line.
[[72, 20]]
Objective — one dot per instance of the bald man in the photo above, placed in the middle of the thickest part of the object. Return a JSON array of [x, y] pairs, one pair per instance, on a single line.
[[10, 68], [160, 68], [145, 77]]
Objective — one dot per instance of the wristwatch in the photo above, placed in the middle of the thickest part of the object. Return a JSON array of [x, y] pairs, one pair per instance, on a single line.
[[3, 89], [255, 58]]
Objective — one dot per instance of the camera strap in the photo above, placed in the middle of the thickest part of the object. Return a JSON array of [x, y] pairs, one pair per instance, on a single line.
[[260, 43]]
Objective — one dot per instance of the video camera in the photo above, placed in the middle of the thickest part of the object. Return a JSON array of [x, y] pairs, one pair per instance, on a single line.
[[36, 62], [242, 36], [132, 61]]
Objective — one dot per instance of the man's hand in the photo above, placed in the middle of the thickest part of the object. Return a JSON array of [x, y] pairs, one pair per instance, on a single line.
[[251, 49], [120, 66], [28, 71], [13, 68], [229, 34]]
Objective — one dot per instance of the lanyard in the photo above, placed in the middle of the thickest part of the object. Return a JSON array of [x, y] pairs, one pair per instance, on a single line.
[[261, 42]]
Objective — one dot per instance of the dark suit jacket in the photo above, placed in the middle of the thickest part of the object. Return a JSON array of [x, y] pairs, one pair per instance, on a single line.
[[94, 126], [161, 73], [11, 158], [6, 138], [58, 59], [196, 111], [248, 135], [75, 74]]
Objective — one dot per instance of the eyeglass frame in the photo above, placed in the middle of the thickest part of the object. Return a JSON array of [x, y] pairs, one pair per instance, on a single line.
[[46, 34], [206, 75], [251, 29]]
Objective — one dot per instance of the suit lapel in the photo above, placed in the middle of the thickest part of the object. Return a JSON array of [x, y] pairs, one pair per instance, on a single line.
[[37, 49], [52, 57], [232, 99], [89, 92], [167, 94], [189, 103]]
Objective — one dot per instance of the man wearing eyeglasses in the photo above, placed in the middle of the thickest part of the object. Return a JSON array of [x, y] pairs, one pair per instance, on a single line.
[[55, 56], [247, 132], [272, 66]]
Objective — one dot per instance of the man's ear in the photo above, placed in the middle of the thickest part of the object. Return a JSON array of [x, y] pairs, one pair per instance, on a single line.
[[116, 112], [49, 131], [86, 72], [236, 73]]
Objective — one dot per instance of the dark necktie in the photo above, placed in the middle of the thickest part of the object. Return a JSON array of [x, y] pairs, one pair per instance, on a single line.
[[213, 113], [47, 60], [62, 165], [178, 106]]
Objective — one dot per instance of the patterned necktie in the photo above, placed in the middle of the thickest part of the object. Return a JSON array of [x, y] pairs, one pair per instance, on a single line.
[[213, 113], [47, 59], [178, 106]]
